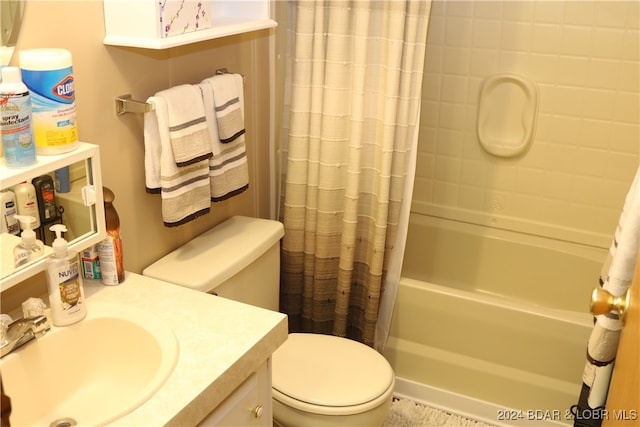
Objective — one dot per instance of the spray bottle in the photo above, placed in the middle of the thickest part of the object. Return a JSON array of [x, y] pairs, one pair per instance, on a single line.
[[29, 248], [64, 278]]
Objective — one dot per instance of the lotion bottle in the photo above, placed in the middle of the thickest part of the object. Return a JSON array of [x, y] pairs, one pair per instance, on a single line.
[[64, 279], [29, 248], [27, 201]]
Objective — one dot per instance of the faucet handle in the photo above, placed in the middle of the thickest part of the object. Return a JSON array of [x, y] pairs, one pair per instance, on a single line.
[[33, 307], [40, 325], [5, 321]]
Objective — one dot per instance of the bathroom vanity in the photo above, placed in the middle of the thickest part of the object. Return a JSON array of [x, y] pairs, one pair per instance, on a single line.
[[221, 366], [222, 375]]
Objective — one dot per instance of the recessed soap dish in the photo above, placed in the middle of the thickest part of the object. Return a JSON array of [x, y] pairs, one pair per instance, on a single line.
[[507, 113]]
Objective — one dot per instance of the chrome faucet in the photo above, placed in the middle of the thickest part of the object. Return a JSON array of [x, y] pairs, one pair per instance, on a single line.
[[21, 332]]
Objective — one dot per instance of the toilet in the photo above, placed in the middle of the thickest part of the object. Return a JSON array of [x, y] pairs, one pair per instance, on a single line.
[[317, 380]]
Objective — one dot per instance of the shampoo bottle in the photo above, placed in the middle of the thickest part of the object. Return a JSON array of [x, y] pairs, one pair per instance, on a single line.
[[64, 278], [29, 248]]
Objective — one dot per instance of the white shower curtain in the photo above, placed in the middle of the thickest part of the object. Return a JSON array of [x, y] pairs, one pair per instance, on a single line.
[[355, 95]]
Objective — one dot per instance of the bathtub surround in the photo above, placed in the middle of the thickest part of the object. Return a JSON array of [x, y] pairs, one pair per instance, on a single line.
[[584, 58], [357, 74], [616, 278]]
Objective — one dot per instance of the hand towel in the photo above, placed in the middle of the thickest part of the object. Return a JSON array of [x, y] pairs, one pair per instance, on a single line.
[[185, 190], [227, 98], [228, 168], [187, 124]]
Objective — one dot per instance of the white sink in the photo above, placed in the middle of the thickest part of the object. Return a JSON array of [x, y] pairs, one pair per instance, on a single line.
[[93, 371]]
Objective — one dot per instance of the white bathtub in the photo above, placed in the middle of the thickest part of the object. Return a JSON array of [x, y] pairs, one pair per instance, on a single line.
[[496, 316]]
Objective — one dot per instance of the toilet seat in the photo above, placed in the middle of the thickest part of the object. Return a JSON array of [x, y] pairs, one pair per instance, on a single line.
[[329, 375]]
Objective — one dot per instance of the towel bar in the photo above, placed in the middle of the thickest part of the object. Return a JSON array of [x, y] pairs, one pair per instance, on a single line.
[[125, 104]]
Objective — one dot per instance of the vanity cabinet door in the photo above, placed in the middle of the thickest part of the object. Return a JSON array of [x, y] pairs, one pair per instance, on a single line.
[[248, 405]]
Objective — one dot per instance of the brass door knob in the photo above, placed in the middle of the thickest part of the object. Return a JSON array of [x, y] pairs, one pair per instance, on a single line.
[[602, 302]]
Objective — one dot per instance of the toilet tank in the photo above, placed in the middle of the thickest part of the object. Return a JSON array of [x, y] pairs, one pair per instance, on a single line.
[[237, 259]]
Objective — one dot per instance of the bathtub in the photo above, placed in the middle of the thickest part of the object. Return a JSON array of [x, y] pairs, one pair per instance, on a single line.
[[493, 316]]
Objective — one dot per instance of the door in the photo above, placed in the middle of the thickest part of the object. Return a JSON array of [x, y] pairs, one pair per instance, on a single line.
[[623, 401]]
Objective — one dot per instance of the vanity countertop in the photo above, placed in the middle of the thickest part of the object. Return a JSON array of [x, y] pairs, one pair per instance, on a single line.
[[221, 343]]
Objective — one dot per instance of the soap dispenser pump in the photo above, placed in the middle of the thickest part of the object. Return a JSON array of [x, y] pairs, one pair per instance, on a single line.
[[29, 247], [64, 279]]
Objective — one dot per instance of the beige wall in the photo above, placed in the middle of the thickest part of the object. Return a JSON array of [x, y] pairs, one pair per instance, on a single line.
[[103, 72], [584, 57]]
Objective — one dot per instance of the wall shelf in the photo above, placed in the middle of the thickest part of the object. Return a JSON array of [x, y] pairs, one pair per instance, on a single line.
[[138, 23]]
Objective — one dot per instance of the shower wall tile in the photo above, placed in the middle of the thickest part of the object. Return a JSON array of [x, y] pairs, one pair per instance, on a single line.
[[584, 58]]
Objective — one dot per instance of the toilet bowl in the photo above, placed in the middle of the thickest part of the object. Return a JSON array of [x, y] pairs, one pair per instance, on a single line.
[[317, 380], [323, 380]]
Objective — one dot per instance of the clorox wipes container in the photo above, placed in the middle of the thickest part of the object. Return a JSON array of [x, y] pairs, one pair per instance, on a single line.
[[48, 74]]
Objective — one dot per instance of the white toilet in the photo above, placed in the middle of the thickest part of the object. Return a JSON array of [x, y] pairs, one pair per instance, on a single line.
[[318, 380]]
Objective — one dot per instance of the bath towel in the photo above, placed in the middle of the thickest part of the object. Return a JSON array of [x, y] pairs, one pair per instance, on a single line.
[[187, 124], [227, 98], [185, 190], [228, 168]]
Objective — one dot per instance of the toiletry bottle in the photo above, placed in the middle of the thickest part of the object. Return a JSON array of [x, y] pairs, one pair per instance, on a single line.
[[66, 295], [110, 249], [29, 248], [63, 185], [18, 144], [45, 195], [8, 211], [27, 202]]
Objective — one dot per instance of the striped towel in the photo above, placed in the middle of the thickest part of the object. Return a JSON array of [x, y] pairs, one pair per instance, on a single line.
[[228, 169], [184, 190], [227, 99], [187, 124]]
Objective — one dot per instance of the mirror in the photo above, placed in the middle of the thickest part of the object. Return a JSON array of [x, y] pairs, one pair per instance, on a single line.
[[11, 12], [59, 200]]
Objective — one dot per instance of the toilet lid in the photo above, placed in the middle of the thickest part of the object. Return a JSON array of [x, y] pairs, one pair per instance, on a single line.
[[330, 371]]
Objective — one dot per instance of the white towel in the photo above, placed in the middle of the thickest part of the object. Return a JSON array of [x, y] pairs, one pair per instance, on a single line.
[[187, 124], [228, 169], [227, 98], [185, 191]]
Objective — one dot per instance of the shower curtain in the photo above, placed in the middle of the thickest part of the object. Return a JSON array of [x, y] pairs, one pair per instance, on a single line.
[[356, 74]]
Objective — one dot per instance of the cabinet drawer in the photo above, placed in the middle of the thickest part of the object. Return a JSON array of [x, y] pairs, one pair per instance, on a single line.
[[248, 405]]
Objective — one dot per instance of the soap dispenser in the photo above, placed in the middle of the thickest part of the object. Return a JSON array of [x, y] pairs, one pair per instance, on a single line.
[[29, 247], [64, 279]]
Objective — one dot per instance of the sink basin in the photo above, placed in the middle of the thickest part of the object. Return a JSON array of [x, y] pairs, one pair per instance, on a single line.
[[93, 371]]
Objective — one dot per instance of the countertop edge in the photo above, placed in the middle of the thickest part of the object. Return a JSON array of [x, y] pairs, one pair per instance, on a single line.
[[224, 385]]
